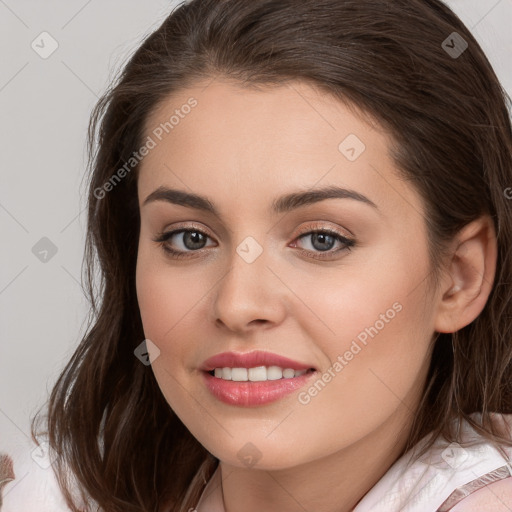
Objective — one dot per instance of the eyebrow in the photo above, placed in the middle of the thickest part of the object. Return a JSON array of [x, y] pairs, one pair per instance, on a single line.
[[285, 203]]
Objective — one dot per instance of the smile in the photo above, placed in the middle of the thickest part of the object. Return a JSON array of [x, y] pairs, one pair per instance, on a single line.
[[254, 378]]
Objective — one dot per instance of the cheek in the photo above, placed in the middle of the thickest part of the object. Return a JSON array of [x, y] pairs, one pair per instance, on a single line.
[[377, 343], [166, 303], [166, 296], [377, 293]]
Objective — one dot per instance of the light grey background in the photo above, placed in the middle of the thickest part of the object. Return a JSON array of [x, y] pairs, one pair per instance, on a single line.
[[45, 106]]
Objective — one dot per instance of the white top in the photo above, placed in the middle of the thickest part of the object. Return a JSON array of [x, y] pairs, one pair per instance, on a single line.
[[435, 483]]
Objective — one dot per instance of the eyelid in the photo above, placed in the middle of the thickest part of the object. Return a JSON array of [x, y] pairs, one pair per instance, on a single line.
[[316, 226], [186, 226], [321, 226]]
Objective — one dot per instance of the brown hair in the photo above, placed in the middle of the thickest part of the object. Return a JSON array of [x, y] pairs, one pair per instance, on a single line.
[[450, 125]]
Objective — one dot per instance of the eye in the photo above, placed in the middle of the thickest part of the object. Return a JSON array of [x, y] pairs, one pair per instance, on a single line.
[[323, 240], [191, 240]]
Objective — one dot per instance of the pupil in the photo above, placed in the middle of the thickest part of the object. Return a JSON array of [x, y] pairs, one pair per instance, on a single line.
[[322, 237], [195, 238]]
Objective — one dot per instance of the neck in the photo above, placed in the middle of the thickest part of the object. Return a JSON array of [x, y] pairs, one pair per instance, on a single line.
[[335, 483]]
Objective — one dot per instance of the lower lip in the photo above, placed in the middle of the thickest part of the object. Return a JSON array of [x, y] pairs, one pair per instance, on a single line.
[[247, 394]]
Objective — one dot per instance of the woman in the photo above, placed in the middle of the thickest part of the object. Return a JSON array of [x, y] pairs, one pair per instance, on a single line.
[[301, 216]]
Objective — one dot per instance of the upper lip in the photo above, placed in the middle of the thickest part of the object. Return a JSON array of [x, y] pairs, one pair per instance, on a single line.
[[251, 360]]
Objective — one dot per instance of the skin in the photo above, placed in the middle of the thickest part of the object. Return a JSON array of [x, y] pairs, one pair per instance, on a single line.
[[242, 148]]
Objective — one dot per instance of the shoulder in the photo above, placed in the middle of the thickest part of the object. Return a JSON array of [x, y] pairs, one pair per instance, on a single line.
[[495, 497], [440, 476], [484, 474]]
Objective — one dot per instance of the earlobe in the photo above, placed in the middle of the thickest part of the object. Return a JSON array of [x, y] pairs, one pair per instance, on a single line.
[[470, 276]]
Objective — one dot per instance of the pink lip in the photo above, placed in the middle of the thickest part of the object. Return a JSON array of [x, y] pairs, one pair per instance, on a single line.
[[249, 393], [252, 393], [251, 360]]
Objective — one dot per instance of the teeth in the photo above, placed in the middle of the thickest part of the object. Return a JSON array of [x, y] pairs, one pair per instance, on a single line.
[[239, 374], [288, 373], [257, 374], [274, 373]]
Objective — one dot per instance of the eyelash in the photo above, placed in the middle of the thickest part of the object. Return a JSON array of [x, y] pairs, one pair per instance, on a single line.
[[348, 243]]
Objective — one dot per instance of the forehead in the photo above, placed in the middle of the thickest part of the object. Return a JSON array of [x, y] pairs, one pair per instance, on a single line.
[[225, 141]]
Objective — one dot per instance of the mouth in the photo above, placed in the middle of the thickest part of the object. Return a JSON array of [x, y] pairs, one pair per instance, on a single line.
[[254, 378]]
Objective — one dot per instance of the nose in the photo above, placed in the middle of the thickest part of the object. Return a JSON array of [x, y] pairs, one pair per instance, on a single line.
[[250, 295]]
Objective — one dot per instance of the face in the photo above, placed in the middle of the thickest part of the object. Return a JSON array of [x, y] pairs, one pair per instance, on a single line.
[[337, 285]]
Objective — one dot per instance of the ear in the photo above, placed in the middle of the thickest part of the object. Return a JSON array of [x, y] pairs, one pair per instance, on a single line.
[[470, 276]]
